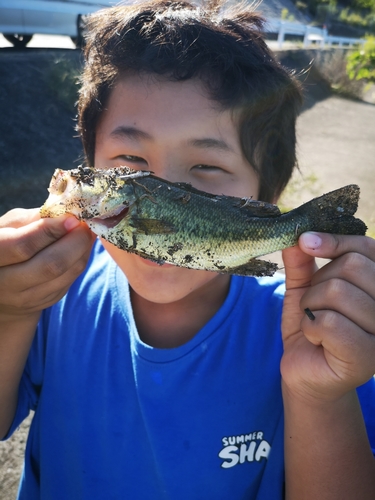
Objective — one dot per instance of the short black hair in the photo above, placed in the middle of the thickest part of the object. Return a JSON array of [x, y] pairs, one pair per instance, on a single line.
[[224, 49]]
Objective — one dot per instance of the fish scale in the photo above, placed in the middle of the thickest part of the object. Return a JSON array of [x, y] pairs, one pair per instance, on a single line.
[[178, 224]]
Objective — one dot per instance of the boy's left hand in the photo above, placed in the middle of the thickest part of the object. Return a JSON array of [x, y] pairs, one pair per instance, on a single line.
[[335, 353]]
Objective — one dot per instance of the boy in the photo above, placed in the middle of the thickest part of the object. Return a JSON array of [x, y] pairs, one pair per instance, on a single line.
[[155, 381]]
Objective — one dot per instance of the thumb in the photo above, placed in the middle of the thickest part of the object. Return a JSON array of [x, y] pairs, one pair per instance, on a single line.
[[299, 270], [19, 243]]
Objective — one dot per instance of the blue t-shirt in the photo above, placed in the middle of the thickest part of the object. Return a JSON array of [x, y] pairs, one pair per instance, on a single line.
[[118, 419]]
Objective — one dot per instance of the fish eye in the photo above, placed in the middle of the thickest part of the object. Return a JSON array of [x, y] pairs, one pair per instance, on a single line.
[[61, 185]]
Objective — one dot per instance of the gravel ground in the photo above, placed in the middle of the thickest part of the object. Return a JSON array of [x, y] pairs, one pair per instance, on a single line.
[[11, 459], [336, 147]]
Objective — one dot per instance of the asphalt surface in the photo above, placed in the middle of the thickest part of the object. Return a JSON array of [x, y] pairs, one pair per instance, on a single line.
[[336, 142]]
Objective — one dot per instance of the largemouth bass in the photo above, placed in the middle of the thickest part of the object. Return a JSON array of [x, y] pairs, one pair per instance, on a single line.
[[178, 224]]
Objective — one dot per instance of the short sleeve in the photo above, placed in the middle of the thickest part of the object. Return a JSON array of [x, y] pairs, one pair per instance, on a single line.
[[366, 394], [32, 377]]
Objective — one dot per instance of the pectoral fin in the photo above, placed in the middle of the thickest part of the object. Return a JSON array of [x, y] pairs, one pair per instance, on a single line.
[[151, 226]]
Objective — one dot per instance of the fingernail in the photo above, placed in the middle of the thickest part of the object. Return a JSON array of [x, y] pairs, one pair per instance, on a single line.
[[70, 223], [311, 240]]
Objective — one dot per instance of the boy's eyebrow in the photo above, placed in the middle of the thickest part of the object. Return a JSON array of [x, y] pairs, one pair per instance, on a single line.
[[137, 134], [210, 142], [130, 133]]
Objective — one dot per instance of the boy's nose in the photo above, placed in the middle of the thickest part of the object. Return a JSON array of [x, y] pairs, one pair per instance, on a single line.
[[169, 169]]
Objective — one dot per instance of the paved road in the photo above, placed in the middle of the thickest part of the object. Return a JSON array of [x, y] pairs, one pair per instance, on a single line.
[[336, 146]]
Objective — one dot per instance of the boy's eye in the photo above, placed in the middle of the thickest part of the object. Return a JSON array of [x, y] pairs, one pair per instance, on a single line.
[[131, 159], [207, 168]]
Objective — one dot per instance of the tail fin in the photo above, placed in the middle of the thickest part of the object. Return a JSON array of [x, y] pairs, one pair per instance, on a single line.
[[333, 212]]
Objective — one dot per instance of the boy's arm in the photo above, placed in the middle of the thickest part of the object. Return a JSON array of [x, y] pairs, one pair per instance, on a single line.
[[39, 259], [327, 453]]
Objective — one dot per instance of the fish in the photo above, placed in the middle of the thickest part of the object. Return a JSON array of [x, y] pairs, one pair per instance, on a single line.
[[177, 224]]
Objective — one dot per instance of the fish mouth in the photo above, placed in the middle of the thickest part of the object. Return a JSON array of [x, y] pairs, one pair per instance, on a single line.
[[111, 219]]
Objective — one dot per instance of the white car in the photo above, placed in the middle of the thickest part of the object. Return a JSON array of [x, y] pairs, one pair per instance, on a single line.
[[21, 19]]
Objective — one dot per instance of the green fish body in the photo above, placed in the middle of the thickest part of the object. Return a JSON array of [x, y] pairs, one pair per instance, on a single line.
[[180, 225]]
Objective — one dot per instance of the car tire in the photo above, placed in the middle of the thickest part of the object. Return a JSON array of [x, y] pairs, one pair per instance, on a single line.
[[18, 41]]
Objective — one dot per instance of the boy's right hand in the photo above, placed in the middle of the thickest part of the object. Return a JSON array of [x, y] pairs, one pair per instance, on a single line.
[[39, 259]]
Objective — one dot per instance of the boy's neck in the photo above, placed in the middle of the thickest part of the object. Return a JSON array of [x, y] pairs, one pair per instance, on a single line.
[[166, 326]]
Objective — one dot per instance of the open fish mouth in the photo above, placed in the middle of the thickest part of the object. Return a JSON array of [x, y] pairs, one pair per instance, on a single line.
[[111, 219]]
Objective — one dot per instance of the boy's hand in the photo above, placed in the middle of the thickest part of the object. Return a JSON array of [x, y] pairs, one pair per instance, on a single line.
[[329, 356], [39, 259]]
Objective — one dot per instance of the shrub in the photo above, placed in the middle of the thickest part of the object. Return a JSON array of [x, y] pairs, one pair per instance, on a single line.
[[361, 63], [331, 64]]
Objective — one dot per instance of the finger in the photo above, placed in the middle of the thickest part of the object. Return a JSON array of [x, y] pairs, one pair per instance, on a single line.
[[331, 246], [352, 267], [22, 243], [344, 298], [299, 268], [41, 296], [348, 349], [19, 217], [49, 264]]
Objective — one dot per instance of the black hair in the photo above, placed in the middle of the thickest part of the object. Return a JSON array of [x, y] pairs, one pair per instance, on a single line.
[[224, 49]]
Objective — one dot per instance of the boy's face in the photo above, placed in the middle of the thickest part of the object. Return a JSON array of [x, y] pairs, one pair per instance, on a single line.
[[174, 130]]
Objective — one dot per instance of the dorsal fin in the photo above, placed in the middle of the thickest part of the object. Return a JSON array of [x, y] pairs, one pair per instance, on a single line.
[[256, 208], [188, 187]]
